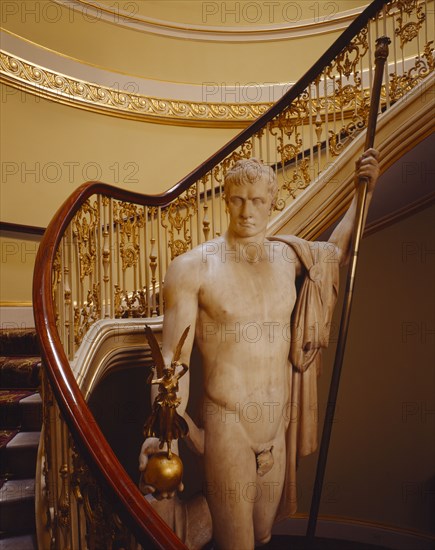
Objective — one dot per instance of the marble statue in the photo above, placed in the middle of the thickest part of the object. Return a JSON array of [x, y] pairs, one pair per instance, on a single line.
[[259, 339]]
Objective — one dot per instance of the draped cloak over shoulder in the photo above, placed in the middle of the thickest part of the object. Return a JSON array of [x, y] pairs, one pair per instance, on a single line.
[[310, 327]]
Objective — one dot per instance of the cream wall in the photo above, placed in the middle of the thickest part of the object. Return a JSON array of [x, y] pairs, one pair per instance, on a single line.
[[382, 453], [137, 53], [49, 149], [17, 258]]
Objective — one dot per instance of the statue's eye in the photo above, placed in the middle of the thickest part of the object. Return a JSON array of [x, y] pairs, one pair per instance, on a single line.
[[236, 201], [258, 201]]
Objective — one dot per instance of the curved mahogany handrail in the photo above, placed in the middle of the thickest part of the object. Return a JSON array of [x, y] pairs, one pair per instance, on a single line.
[[129, 502], [147, 526]]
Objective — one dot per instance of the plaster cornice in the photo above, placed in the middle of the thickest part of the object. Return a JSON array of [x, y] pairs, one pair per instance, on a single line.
[[98, 11]]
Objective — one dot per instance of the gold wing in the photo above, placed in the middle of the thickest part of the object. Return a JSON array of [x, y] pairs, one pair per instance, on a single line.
[[155, 351], [180, 344]]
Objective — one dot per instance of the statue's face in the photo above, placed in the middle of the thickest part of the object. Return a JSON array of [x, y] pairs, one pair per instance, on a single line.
[[249, 207]]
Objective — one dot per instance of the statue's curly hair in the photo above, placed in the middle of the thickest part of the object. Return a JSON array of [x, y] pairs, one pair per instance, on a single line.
[[251, 171]]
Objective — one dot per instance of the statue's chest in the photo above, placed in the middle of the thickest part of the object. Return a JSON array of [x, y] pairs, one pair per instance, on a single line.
[[246, 293]]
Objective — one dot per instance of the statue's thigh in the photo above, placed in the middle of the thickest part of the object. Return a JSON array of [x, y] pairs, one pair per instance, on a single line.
[[269, 490], [230, 469]]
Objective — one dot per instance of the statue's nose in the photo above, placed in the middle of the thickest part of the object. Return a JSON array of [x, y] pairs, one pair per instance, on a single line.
[[246, 210]]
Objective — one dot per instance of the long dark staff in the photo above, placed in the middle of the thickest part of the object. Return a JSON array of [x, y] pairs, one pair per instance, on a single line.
[[381, 54]]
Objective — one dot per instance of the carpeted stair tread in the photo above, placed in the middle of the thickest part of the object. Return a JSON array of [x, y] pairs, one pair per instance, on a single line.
[[24, 542], [20, 455], [14, 396], [10, 407], [16, 490], [20, 425], [31, 412], [17, 500], [6, 436], [21, 341], [24, 440], [19, 371]]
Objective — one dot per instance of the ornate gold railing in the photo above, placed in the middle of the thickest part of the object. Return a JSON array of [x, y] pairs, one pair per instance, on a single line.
[[105, 254]]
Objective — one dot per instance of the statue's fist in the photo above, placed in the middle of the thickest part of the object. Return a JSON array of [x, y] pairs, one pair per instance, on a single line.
[[149, 447], [367, 166]]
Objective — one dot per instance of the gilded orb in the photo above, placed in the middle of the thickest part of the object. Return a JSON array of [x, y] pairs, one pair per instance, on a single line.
[[164, 473]]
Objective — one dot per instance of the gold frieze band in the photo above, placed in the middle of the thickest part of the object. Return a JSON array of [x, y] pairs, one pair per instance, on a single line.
[[42, 82]]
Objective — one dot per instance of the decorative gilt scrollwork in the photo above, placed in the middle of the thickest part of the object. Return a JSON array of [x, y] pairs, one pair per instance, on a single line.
[[47, 469], [347, 61], [104, 528], [400, 84], [56, 278], [300, 178], [133, 304], [408, 29], [64, 511], [284, 128], [86, 315], [130, 218], [43, 82], [175, 218], [243, 152], [84, 225], [335, 143]]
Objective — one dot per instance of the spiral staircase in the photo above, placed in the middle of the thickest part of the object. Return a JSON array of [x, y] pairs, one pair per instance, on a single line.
[[102, 261]]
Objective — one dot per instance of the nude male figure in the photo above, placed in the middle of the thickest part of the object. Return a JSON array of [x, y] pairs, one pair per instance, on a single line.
[[238, 291]]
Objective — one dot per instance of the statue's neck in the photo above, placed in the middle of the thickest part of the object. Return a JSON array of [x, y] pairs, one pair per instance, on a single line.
[[250, 248]]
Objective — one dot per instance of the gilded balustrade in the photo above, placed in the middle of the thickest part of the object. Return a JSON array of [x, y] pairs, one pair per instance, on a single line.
[[113, 256]]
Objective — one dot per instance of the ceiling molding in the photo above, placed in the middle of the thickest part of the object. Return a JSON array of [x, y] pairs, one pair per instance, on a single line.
[[118, 101], [203, 92], [293, 28], [63, 89]]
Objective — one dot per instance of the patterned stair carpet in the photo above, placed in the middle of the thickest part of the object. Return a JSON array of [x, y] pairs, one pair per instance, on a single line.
[[20, 421], [18, 342], [10, 415], [19, 372]]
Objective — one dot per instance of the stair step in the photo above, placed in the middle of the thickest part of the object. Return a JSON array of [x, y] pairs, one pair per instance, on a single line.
[[24, 542], [21, 453], [21, 341], [5, 437], [10, 409], [19, 371], [31, 413], [17, 500]]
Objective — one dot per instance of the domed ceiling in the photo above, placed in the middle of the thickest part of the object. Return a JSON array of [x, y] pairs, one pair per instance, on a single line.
[[244, 52]]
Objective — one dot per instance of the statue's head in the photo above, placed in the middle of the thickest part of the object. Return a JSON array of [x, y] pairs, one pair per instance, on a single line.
[[250, 172], [168, 370]]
